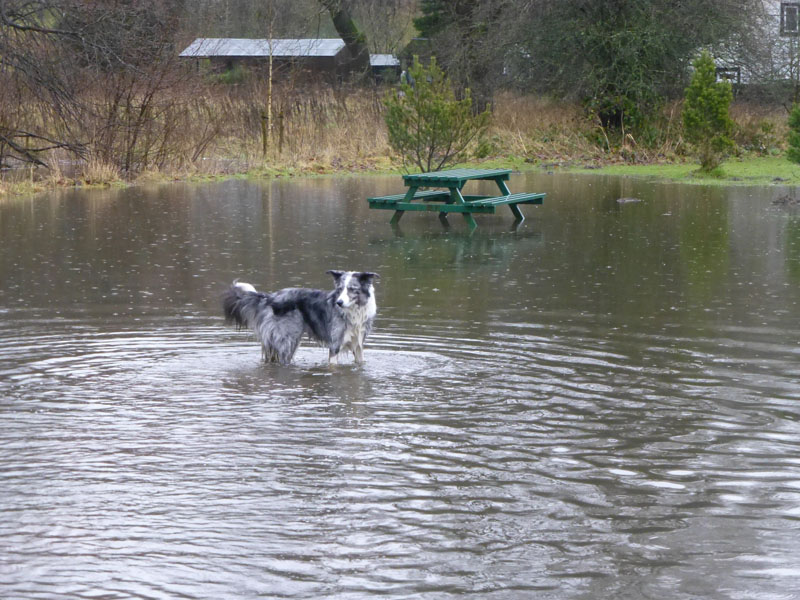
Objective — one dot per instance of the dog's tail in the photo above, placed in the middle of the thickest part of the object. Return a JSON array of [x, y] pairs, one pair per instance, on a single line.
[[241, 304]]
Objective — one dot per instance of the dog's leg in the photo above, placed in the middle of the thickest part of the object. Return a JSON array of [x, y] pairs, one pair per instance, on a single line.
[[358, 354], [270, 354], [288, 348], [333, 357], [285, 355]]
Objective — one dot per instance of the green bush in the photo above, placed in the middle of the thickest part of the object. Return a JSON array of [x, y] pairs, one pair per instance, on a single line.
[[793, 152], [706, 120], [757, 136], [427, 125]]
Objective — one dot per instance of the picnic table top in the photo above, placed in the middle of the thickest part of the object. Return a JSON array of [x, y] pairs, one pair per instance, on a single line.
[[454, 176]]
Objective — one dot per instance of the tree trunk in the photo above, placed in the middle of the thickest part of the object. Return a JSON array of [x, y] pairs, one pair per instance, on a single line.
[[354, 40]]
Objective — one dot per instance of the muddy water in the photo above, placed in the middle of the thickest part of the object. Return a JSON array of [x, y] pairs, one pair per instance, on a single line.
[[602, 403]]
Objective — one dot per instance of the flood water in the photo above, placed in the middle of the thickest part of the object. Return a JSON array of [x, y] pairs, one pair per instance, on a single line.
[[602, 403]]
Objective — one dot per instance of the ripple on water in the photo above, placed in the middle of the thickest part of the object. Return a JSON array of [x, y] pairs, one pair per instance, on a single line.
[[487, 461]]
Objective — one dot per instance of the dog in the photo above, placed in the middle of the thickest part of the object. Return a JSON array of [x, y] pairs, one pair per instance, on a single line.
[[339, 320]]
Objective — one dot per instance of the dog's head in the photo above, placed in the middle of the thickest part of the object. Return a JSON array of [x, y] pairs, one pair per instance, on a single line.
[[353, 288]]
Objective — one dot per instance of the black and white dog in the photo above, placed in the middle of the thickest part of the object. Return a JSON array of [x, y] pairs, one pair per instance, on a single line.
[[339, 319]]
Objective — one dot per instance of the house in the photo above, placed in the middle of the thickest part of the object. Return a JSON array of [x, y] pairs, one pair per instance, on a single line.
[[313, 56], [774, 58]]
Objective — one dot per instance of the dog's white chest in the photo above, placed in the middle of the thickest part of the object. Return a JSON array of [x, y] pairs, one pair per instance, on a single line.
[[357, 319]]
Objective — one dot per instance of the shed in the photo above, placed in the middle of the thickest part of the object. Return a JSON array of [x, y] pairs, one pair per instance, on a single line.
[[327, 56], [310, 54], [385, 67]]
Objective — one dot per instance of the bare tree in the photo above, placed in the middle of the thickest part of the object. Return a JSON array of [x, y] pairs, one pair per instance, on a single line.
[[34, 73], [95, 78], [387, 23], [245, 18]]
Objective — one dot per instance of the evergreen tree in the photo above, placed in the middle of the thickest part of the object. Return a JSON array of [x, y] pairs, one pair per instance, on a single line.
[[427, 125], [793, 153], [433, 18], [706, 120]]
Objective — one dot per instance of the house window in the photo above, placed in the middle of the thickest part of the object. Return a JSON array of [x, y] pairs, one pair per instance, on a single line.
[[790, 18]]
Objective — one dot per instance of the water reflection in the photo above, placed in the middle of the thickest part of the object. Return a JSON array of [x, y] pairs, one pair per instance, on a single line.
[[603, 402]]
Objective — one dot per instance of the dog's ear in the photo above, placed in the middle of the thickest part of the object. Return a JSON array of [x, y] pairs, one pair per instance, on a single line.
[[337, 275], [367, 277]]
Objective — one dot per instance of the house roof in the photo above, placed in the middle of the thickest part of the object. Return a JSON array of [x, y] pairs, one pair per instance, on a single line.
[[283, 48], [383, 60]]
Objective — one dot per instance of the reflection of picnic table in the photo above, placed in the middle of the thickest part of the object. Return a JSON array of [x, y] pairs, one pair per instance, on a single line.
[[447, 196]]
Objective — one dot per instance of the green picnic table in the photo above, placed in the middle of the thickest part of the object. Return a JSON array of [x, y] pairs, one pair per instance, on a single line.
[[446, 196]]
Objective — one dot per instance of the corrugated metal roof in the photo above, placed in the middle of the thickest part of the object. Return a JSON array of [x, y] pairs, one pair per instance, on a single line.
[[383, 60], [284, 48]]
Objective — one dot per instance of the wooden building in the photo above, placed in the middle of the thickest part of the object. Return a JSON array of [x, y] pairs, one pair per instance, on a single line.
[[326, 57]]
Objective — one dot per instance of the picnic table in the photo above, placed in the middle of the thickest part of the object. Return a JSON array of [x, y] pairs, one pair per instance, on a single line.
[[446, 196]]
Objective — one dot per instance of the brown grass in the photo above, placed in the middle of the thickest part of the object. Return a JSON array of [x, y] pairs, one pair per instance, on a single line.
[[760, 129], [209, 129], [96, 171], [542, 129]]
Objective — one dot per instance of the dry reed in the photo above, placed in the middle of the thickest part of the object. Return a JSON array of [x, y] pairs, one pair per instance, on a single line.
[[197, 127]]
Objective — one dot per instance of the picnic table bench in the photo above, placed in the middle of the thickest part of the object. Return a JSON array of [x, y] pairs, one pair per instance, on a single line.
[[448, 197]]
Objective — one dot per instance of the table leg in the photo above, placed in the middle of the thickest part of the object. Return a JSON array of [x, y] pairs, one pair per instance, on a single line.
[[457, 198], [443, 215], [506, 192], [409, 198]]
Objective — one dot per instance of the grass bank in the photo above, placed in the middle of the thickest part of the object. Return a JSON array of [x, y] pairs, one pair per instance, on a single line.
[[748, 170]]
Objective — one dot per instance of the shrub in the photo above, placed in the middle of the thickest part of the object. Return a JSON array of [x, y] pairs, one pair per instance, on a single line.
[[793, 152], [427, 125], [706, 119]]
